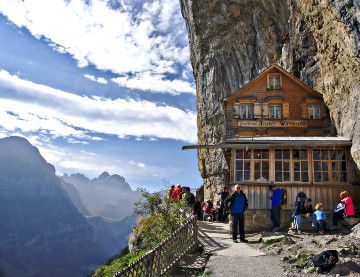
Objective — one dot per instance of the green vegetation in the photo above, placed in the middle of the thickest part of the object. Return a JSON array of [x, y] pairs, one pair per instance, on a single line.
[[159, 219], [118, 263]]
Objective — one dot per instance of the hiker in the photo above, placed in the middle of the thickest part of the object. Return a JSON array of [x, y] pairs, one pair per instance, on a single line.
[[345, 208], [176, 192], [197, 208], [207, 209], [275, 206], [339, 214], [305, 213], [237, 203], [349, 206], [170, 192], [320, 218], [189, 197], [224, 194], [217, 211]]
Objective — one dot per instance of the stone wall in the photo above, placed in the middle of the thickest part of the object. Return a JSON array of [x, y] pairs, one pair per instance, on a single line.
[[232, 41]]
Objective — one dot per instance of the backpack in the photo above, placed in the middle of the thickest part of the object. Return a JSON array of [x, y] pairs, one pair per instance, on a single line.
[[283, 200], [325, 260], [299, 202]]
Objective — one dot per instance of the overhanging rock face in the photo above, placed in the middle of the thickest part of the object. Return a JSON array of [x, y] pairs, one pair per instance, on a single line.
[[232, 41]]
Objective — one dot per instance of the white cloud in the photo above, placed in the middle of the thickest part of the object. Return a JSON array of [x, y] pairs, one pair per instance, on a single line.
[[141, 165], [93, 78], [32, 107], [149, 42], [158, 83]]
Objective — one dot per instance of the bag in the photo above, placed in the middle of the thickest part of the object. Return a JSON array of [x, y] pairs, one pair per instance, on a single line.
[[283, 200], [326, 260]]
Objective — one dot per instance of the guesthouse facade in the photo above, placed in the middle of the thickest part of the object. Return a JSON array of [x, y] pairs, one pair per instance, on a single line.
[[278, 129]]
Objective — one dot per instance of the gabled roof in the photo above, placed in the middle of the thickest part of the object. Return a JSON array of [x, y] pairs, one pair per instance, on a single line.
[[266, 71]]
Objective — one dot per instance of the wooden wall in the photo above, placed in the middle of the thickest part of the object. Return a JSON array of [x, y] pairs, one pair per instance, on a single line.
[[258, 194], [294, 100]]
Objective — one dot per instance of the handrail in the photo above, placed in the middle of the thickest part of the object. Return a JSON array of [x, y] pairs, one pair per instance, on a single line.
[[162, 258]]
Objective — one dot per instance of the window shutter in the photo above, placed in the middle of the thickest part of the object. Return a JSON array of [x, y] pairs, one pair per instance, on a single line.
[[236, 111], [286, 110], [304, 110], [265, 111], [257, 110]]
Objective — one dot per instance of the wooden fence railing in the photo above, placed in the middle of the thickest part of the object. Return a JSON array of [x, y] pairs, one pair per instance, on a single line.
[[161, 259]]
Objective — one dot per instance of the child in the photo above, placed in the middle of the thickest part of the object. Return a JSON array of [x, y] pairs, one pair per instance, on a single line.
[[320, 218]]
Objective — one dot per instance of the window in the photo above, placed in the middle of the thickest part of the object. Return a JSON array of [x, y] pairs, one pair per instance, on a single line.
[[242, 165], [274, 82], [261, 164], [314, 111], [338, 165], [300, 165], [282, 165], [275, 111], [247, 111], [321, 165]]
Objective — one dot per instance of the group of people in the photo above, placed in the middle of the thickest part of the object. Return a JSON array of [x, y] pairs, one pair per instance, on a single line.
[[236, 204], [178, 192], [305, 212]]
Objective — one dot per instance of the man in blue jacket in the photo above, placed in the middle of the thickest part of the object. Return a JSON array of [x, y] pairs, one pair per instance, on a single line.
[[237, 204], [275, 206]]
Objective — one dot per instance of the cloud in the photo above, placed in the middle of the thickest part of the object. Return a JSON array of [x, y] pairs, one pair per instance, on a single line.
[[141, 165], [158, 83], [32, 107], [147, 40], [93, 78]]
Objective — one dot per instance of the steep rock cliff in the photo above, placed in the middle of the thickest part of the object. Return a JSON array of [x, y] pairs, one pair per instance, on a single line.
[[231, 41]]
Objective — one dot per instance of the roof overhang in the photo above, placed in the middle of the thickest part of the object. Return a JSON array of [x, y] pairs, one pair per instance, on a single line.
[[276, 142]]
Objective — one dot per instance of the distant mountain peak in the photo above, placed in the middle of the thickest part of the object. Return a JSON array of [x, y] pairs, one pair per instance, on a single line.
[[19, 149], [103, 176]]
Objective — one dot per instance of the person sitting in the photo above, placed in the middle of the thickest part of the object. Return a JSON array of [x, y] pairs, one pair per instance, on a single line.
[[339, 214], [349, 206], [305, 213], [320, 218], [207, 210]]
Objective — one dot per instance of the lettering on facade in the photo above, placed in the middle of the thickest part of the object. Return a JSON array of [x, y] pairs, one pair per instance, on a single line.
[[272, 123]]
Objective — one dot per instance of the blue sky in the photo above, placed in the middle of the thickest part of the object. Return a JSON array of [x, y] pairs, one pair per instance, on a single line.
[[101, 85]]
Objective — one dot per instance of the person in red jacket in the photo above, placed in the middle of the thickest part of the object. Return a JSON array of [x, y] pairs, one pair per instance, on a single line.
[[349, 206], [176, 192]]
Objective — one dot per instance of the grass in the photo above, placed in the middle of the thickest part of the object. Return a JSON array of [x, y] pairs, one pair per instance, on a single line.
[[117, 264]]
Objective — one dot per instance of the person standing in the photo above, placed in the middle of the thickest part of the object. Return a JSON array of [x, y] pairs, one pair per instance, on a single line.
[[237, 204], [224, 194], [275, 206]]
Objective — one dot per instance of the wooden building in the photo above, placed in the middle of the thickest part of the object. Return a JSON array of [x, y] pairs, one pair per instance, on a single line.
[[279, 129]]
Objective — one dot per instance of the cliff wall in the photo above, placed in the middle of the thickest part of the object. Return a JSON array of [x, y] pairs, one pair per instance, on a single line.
[[232, 41]]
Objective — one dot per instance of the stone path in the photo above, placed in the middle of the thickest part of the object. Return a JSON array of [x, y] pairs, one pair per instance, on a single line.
[[230, 259]]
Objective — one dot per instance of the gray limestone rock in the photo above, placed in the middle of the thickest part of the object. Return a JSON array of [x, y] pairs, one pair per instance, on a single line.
[[232, 41]]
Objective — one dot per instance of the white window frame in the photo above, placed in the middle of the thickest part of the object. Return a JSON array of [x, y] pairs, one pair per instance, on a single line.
[[272, 83], [248, 114], [313, 111], [275, 108]]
